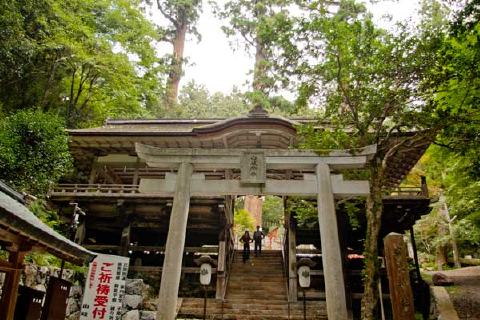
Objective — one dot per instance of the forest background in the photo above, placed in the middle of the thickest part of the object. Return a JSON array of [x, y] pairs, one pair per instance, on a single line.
[[74, 64]]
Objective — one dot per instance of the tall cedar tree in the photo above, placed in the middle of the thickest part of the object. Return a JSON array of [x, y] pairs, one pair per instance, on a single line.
[[182, 16], [261, 25]]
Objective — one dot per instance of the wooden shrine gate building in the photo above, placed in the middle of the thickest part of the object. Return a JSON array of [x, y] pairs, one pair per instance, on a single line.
[[153, 189]]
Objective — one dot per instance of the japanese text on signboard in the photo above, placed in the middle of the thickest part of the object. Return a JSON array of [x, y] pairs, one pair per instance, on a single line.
[[105, 288]]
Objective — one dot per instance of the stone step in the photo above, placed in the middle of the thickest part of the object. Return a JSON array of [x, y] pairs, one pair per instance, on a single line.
[[241, 286], [256, 290], [218, 316], [255, 271], [257, 279], [264, 251], [239, 273], [244, 314], [239, 258], [257, 295], [251, 308], [257, 263], [249, 302], [258, 259], [248, 314], [249, 311]]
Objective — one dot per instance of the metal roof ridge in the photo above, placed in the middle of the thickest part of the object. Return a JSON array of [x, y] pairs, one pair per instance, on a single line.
[[5, 188], [163, 121]]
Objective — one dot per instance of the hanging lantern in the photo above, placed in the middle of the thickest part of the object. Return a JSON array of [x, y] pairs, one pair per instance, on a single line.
[[205, 262], [205, 274], [304, 276], [303, 272]]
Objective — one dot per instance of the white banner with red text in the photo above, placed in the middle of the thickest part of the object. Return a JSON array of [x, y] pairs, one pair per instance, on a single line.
[[104, 288]]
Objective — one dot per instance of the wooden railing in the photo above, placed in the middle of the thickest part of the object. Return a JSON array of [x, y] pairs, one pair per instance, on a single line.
[[158, 269], [95, 188], [229, 258], [211, 250], [407, 191], [410, 191]]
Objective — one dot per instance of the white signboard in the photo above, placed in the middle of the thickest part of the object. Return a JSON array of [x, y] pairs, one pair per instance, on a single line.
[[104, 288]]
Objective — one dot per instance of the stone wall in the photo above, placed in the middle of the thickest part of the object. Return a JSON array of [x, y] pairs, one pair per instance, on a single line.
[[139, 302]]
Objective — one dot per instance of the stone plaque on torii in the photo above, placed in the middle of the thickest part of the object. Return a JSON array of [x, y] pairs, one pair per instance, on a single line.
[[253, 168]]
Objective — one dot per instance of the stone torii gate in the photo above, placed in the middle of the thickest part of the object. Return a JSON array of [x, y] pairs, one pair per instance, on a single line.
[[254, 166]]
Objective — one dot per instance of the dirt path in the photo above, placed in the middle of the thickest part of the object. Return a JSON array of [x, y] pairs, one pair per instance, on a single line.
[[465, 294]]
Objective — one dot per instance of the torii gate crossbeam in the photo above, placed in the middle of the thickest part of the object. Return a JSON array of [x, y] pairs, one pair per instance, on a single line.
[[253, 164]]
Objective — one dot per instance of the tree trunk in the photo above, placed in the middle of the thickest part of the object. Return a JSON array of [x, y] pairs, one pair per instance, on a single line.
[[441, 256], [456, 255], [441, 250], [371, 267], [176, 71], [259, 72]]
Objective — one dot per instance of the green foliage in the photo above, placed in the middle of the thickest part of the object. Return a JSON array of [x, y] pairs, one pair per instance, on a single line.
[[85, 60], [353, 208], [272, 212], [452, 179], [466, 233], [367, 85], [361, 78], [456, 86], [180, 13], [304, 210], [33, 151], [454, 169], [264, 27], [48, 216], [195, 101], [243, 220], [43, 259]]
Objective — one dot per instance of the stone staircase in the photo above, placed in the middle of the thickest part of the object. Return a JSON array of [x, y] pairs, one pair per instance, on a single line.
[[256, 290]]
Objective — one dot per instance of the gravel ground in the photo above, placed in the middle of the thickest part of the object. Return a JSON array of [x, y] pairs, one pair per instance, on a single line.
[[465, 293]]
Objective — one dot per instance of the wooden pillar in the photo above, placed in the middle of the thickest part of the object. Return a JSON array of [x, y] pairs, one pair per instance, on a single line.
[[125, 218], [80, 233], [292, 258], [415, 254], [125, 240], [221, 285], [172, 266], [93, 173], [10, 286], [331, 254], [401, 294], [135, 172]]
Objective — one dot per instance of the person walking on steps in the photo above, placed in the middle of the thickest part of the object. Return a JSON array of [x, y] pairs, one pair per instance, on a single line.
[[258, 237], [246, 245]]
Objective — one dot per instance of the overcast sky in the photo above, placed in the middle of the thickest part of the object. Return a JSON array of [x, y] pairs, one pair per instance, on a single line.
[[213, 63]]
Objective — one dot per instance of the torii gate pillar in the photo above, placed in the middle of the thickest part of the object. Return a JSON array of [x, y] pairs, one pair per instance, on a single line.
[[172, 266], [331, 254]]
